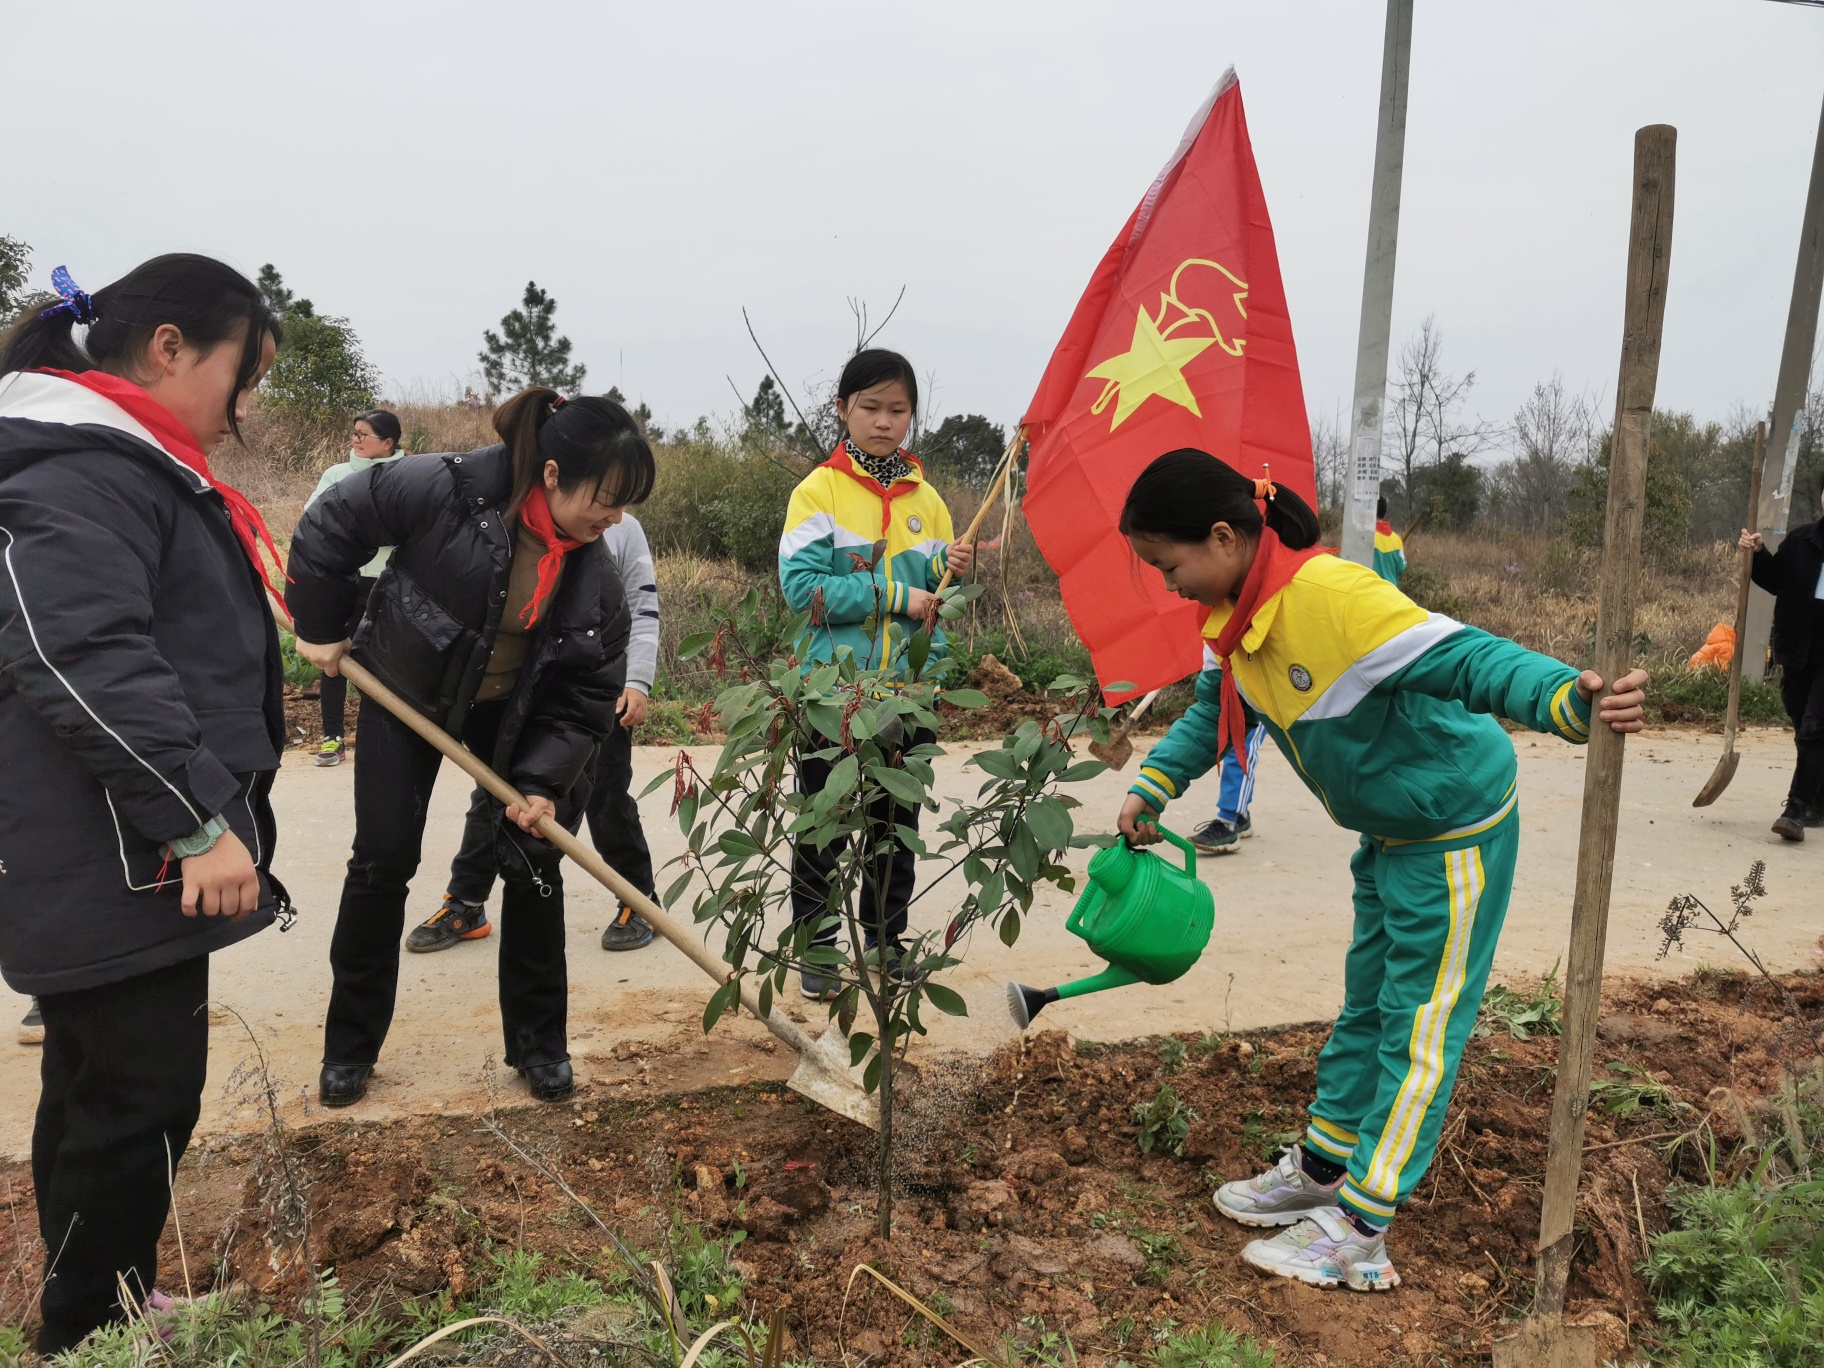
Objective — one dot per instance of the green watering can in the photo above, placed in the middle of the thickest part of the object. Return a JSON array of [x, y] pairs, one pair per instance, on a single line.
[[1147, 917]]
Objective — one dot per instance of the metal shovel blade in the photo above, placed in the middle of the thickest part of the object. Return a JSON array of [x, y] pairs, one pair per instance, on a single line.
[[1116, 753], [823, 1075], [1547, 1342], [1719, 779]]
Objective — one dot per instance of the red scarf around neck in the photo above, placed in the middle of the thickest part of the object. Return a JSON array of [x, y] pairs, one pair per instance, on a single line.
[[1273, 569], [177, 442], [1384, 527], [535, 513]]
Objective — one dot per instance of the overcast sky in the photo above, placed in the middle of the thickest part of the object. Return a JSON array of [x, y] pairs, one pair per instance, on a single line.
[[658, 166]]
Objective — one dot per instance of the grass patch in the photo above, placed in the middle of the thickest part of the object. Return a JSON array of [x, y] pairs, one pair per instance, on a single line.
[[1164, 1122], [1523, 1015]]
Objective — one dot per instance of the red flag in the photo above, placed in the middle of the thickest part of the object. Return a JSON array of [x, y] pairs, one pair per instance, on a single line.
[[1181, 340]]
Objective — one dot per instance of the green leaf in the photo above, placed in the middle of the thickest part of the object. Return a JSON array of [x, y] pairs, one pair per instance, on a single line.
[[870, 1080], [898, 783], [766, 997], [724, 998], [999, 763], [965, 698], [1083, 769], [1010, 927], [676, 891], [918, 651], [859, 1045], [687, 812], [1050, 824], [659, 781], [844, 775], [1023, 854], [737, 844], [946, 1000], [694, 644]]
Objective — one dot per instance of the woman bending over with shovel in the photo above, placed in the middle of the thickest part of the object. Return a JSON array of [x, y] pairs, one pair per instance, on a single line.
[[1387, 712], [498, 618]]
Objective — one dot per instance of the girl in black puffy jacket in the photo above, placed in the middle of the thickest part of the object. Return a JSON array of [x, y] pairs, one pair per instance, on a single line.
[[500, 619]]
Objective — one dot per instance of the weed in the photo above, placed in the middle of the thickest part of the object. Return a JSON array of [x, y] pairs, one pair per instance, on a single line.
[[1263, 1141], [1172, 1052], [1523, 1015], [1208, 1044], [703, 1272], [1684, 911], [1089, 1049], [1214, 1346], [1164, 1122], [1628, 1091]]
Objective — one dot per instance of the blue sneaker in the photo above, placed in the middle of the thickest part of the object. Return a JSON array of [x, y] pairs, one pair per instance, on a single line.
[[1216, 837]]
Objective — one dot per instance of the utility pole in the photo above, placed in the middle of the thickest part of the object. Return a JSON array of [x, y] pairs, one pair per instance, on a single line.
[[1364, 469], [1788, 401]]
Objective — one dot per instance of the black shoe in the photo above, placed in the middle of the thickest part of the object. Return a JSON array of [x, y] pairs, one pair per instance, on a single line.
[[1790, 824], [550, 1082], [629, 931], [1814, 815], [820, 987], [343, 1085], [1216, 837], [450, 924], [31, 1026]]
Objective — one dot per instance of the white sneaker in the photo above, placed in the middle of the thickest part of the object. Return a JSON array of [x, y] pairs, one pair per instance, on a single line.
[[1283, 1195], [1323, 1250]]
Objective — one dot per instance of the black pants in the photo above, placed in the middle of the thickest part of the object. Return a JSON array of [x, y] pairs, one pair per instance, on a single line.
[[614, 826], [811, 867], [394, 772], [122, 1077], [1802, 691], [332, 690]]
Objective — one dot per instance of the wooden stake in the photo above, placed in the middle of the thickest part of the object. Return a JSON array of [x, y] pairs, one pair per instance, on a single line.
[[1649, 260], [997, 486]]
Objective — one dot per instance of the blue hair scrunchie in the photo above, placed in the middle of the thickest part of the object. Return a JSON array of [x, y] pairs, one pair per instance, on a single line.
[[75, 301]]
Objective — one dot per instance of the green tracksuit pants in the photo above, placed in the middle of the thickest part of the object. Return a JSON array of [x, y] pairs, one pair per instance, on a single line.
[[1426, 923]]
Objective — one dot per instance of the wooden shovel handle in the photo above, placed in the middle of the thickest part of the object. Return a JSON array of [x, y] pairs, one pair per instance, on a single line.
[[1733, 717], [1003, 475]]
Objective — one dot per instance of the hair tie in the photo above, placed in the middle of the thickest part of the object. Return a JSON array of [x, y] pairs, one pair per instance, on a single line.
[[1264, 488], [74, 301], [557, 402]]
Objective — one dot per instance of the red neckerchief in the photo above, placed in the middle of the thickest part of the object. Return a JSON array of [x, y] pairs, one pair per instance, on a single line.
[[535, 513], [177, 442], [1273, 569], [1384, 527], [841, 460]]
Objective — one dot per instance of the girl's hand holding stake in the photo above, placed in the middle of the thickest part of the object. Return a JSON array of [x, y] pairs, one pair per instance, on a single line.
[[1625, 709]]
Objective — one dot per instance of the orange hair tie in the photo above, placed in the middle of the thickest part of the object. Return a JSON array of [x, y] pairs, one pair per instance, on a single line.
[[1264, 488]]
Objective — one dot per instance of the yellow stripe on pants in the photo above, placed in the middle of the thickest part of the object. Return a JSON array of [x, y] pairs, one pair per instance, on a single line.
[[1463, 872]]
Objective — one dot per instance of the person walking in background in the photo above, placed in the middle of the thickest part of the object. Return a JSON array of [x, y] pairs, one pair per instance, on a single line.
[[865, 535], [141, 724], [1794, 575], [500, 619], [375, 438], [1389, 548], [613, 811]]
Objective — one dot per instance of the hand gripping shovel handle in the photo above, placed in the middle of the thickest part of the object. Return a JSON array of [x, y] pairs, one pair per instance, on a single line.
[[675, 931]]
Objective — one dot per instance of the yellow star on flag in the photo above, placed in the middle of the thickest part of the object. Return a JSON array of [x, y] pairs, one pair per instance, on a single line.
[[1154, 364]]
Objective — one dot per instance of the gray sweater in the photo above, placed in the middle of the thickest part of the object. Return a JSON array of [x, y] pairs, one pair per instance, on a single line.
[[627, 548]]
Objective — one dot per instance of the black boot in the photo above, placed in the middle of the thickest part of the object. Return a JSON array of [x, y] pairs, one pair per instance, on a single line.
[[550, 1082], [343, 1085], [1790, 824]]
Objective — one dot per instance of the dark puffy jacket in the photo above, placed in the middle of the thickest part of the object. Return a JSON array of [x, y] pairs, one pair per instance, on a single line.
[[431, 620], [140, 692], [1790, 574]]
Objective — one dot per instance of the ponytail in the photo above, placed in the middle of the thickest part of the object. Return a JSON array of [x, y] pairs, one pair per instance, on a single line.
[[1184, 493], [594, 441], [207, 301]]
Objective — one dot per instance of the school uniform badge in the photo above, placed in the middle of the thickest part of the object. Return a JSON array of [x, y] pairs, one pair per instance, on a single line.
[[914, 523], [1300, 677]]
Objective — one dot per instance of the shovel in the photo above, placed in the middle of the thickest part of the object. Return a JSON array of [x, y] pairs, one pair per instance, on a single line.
[[1119, 749], [823, 1073], [1725, 767]]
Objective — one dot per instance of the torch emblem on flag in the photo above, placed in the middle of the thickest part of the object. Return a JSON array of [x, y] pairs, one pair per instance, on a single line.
[[1154, 364], [1182, 339]]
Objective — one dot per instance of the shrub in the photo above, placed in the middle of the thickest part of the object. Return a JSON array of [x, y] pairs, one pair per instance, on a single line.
[[721, 500], [320, 378]]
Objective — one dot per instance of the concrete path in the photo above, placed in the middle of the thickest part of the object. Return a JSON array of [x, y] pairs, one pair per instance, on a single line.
[[1282, 923]]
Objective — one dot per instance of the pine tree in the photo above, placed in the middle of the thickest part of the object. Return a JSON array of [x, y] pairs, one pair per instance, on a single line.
[[526, 350], [279, 299]]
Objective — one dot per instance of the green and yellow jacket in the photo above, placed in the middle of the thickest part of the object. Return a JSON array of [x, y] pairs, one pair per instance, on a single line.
[[851, 548], [1389, 552], [1386, 711]]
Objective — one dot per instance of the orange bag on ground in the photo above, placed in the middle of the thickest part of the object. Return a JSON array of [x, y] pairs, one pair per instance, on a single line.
[[1718, 648]]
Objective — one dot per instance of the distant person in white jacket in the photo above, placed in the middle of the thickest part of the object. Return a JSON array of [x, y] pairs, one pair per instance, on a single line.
[[613, 812], [373, 439]]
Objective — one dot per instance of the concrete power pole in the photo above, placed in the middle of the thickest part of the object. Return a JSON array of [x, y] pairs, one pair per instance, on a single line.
[[1788, 400], [1364, 469]]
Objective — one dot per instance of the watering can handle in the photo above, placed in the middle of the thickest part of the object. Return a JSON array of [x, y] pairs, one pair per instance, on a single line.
[[1190, 851]]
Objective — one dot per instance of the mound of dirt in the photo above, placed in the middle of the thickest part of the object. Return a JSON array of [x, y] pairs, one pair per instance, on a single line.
[[1025, 1207]]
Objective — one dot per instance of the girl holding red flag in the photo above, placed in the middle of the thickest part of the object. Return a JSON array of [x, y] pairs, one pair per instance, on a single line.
[[1387, 712], [499, 618], [141, 722]]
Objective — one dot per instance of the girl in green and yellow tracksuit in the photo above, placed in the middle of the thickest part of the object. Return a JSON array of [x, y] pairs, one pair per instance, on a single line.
[[865, 535], [1387, 712]]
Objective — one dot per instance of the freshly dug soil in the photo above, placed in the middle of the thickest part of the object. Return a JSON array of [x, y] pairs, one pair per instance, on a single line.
[[1025, 1206]]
